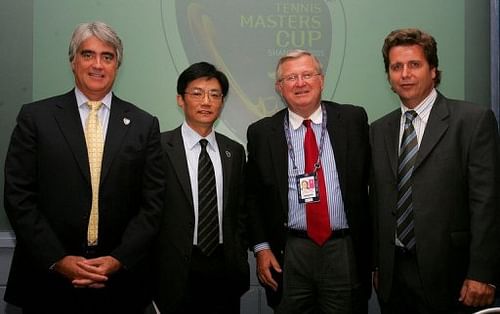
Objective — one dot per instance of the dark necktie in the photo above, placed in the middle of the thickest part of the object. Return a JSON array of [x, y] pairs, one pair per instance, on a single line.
[[407, 155], [208, 219], [318, 220]]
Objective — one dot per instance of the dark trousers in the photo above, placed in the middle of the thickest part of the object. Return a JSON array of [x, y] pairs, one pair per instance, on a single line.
[[320, 279], [407, 293], [209, 288]]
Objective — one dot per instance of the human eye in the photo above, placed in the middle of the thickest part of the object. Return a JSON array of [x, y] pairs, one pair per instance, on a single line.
[[108, 57], [414, 64], [291, 78], [215, 94], [307, 76], [87, 55], [396, 67], [196, 93]]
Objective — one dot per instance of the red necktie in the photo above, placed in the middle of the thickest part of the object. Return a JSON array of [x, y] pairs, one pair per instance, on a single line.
[[318, 220]]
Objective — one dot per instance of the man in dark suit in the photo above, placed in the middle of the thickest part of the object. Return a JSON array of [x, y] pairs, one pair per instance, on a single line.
[[436, 208], [82, 234], [320, 250], [201, 256]]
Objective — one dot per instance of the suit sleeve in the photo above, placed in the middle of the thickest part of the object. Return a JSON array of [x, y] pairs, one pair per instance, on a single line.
[[255, 218], [484, 200], [142, 229], [21, 192]]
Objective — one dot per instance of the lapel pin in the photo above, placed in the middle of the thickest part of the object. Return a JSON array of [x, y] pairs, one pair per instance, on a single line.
[[228, 154], [126, 121]]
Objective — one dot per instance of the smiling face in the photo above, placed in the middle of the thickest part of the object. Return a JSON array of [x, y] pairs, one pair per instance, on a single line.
[[302, 94], [94, 67], [202, 104], [410, 75]]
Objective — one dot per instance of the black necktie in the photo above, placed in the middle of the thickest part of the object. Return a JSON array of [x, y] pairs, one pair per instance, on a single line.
[[208, 219], [409, 147]]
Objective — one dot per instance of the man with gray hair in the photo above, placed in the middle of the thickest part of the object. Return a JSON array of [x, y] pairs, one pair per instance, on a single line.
[[307, 196], [83, 191]]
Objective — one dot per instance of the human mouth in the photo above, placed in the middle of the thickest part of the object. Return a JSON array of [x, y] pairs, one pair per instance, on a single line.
[[96, 75]]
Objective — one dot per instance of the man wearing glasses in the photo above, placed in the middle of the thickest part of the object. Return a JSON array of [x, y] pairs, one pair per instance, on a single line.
[[312, 249], [201, 256]]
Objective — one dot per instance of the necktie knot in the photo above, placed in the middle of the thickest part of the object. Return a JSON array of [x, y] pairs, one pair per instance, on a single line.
[[410, 115], [94, 105], [307, 123], [203, 144]]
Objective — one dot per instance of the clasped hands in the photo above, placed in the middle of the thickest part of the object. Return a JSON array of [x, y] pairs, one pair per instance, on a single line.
[[87, 273]]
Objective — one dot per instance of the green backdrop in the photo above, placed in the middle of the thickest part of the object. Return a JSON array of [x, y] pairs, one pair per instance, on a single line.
[[34, 39]]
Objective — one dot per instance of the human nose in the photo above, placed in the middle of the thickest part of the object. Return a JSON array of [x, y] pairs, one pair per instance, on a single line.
[[406, 71], [300, 81]]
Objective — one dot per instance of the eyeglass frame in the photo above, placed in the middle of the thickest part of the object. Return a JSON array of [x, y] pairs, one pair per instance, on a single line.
[[202, 94], [293, 78]]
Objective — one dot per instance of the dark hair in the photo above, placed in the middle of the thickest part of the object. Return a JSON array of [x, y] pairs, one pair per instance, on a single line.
[[199, 70], [413, 36]]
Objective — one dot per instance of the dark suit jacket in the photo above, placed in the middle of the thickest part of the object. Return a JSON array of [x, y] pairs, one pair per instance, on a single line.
[[48, 197], [175, 240], [455, 198], [267, 181]]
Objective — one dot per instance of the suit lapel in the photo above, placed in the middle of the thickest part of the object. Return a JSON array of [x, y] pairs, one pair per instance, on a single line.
[[70, 123], [279, 156], [338, 139], [117, 129], [391, 140], [436, 127], [173, 146], [226, 157]]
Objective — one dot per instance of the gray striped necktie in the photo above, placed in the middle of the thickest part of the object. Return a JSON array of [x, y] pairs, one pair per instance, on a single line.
[[407, 155], [208, 219]]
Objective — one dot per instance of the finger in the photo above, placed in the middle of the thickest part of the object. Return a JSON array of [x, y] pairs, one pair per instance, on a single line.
[[97, 286], [269, 280], [92, 268]]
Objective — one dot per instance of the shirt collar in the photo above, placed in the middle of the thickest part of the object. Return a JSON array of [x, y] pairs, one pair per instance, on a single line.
[[424, 106], [296, 121], [192, 138], [81, 99]]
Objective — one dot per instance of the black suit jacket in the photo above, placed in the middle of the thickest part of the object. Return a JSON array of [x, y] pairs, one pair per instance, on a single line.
[[175, 240], [267, 181], [455, 198], [48, 197]]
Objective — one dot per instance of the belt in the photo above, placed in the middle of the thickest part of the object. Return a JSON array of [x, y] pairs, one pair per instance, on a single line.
[[336, 234]]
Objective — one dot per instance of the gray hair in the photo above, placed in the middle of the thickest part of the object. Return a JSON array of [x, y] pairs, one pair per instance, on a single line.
[[294, 54], [100, 30]]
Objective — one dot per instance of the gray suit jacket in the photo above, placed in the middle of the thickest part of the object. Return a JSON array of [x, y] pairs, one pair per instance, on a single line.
[[456, 184], [175, 241]]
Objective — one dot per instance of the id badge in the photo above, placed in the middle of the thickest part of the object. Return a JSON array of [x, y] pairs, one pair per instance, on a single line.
[[307, 187]]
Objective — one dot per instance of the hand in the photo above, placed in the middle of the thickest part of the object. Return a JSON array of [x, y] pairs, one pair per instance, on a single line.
[[104, 266], [69, 266], [265, 263], [475, 293]]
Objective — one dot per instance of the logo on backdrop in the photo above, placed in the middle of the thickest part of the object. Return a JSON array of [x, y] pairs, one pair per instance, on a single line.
[[245, 39]]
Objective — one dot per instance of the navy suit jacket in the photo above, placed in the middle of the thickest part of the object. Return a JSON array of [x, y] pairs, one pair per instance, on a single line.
[[48, 197]]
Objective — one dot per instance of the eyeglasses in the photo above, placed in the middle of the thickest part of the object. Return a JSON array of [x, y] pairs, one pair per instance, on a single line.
[[199, 94], [292, 78]]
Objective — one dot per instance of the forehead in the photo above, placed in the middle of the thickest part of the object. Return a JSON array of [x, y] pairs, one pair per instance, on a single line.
[[302, 63], [204, 83], [95, 44], [406, 53]]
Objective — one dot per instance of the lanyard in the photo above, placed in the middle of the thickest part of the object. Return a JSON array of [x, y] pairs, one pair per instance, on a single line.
[[317, 165]]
